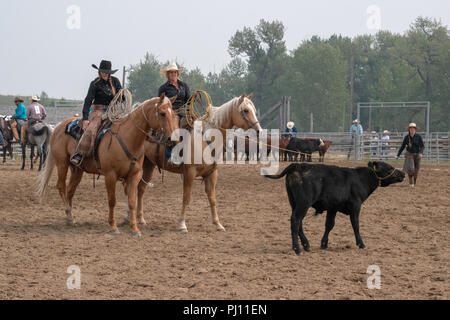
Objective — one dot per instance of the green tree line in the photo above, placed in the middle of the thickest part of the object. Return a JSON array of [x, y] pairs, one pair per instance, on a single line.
[[327, 76]]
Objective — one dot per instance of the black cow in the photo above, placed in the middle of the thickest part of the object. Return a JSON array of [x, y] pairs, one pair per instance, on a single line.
[[333, 189], [305, 146]]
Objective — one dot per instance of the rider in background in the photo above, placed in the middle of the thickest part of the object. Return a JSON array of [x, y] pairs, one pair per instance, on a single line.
[[35, 112], [100, 94], [19, 117]]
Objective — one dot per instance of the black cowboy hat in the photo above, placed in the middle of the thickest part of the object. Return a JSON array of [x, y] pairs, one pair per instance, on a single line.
[[105, 66], [17, 99]]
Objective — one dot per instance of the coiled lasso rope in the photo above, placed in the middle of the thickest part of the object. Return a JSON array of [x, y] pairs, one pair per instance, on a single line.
[[120, 106], [198, 107]]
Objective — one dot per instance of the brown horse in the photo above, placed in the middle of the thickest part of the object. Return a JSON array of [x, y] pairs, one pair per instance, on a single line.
[[120, 156], [238, 112], [5, 127]]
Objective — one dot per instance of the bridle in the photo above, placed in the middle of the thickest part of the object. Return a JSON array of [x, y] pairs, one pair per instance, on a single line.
[[149, 137]]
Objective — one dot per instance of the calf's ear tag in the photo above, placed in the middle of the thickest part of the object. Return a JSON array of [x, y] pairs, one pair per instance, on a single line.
[[374, 167]]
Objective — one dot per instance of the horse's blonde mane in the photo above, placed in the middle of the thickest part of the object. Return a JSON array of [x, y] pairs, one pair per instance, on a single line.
[[220, 115]]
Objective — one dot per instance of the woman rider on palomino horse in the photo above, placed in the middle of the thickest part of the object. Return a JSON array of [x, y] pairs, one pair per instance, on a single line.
[[101, 91], [175, 87]]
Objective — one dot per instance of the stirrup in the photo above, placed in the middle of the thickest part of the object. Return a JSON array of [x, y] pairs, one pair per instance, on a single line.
[[76, 159]]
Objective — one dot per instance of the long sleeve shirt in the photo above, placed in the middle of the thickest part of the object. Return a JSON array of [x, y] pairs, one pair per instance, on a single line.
[[100, 92], [412, 144], [36, 111], [21, 112], [183, 93], [358, 129]]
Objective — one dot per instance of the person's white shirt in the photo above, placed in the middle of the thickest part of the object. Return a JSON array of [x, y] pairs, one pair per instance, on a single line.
[[385, 138]]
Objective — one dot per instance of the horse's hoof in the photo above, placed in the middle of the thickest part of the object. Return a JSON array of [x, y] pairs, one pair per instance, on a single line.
[[221, 229], [70, 222], [114, 232], [143, 223], [137, 234], [183, 230]]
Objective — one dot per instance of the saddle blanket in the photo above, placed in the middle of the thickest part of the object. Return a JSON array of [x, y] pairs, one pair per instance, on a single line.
[[73, 130]]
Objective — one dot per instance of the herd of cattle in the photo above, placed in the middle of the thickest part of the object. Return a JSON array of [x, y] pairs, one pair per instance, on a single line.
[[289, 148]]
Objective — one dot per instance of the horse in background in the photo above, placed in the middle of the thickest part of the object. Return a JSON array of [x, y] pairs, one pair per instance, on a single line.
[[38, 135], [5, 127]]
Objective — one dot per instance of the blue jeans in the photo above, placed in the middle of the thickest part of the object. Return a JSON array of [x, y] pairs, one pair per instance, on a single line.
[[2, 140]]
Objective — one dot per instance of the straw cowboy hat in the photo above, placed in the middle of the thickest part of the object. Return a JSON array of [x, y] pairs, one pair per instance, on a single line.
[[355, 121], [290, 125], [35, 98], [373, 132], [171, 67], [385, 132], [412, 125], [105, 67]]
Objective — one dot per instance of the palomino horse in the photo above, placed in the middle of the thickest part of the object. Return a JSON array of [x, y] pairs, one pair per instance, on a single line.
[[37, 136], [238, 112], [120, 156], [5, 126]]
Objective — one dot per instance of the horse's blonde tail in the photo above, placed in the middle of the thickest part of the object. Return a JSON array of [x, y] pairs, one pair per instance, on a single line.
[[45, 175]]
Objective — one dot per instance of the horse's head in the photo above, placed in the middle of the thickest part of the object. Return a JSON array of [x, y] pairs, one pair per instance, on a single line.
[[162, 117], [246, 117]]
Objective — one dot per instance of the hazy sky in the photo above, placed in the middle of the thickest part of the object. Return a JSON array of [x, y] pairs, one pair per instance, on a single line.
[[40, 52]]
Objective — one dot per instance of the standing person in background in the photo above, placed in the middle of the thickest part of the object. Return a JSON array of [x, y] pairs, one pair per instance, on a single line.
[[356, 128], [374, 144], [35, 112], [3, 143], [385, 145], [291, 129], [414, 152], [19, 118], [356, 133]]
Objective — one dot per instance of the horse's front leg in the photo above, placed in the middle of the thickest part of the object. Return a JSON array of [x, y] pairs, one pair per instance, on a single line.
[[31, 157], [24, 153], [188, 180], [40, 161], [147, 173], [132, 184], [210, 189]]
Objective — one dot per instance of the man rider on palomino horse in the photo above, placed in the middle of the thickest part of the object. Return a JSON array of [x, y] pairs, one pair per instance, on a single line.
[[101, 91], [35, 112], [19, 118], [175, 87]]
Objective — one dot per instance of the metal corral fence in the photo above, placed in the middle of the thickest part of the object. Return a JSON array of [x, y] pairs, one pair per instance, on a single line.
[[368, 146]]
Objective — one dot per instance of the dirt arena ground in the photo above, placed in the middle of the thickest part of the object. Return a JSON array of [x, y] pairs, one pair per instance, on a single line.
[[406, 232]]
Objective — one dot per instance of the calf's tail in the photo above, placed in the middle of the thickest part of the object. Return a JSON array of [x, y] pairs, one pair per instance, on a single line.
[[287, 170]]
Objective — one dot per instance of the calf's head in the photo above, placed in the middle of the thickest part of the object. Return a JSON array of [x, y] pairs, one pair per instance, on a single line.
[[386, 173]]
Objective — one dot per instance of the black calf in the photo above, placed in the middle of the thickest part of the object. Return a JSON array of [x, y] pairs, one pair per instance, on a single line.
[[333, 189]]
